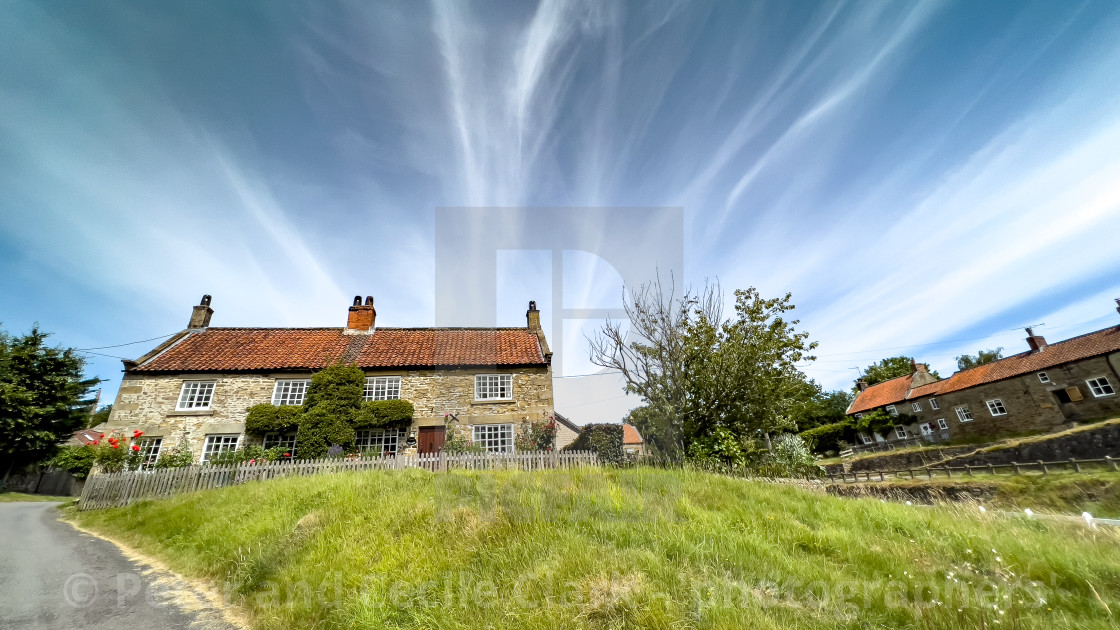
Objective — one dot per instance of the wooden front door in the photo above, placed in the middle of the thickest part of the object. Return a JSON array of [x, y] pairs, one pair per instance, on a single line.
[[431, 439]]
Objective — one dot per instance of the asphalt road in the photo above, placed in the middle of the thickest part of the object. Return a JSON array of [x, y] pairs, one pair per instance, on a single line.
[[53, 576]]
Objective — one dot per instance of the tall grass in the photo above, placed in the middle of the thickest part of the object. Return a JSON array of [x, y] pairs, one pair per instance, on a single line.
[[634, 548]]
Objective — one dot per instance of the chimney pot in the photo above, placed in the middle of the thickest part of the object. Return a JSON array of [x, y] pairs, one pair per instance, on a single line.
[[200, 316], [1036, 342], [861, 385], [361, 318]]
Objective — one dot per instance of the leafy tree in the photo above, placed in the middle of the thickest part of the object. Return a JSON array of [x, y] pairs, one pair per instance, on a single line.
[[698, 372], [101, 416], [983, 357], [885, 370], [42, 397], [656, 430], [817, 407]]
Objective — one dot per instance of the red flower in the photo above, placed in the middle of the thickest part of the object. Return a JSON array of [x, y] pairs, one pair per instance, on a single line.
[[101, 436], [116, 446], [96, 442], [287, 454], [137, 433], [136, 447]]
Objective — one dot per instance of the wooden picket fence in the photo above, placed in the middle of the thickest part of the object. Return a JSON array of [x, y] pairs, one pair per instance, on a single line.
[[106, 490], [1014, 468]]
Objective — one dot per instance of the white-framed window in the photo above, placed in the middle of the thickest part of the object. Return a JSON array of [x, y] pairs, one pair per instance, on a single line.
[[916, 406], [287, 441], [495, 438], [996, 408], [1043, 378], [900, 431], [149, 451], [216, 444], [927, 430], [933, 404], [382, 388], [942, 424], [891, 409], [195, 395], [1100, 387], [290, 392], [963, 414], [863, 437], [858, 416], [493, 387], [377, 441]]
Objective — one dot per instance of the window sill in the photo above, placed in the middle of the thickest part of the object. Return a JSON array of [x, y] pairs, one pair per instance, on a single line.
[[492, 401], [191, 412]]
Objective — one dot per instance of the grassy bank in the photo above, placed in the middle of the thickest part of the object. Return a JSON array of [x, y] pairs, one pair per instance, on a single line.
[[1057, 493], [637, 548]]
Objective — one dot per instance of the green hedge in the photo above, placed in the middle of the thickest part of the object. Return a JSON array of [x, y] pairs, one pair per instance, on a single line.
[[319, 430], [383, 413], [266, 418], [603, 439], [827, 437]]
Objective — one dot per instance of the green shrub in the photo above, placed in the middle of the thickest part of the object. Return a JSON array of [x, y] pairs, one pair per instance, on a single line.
[[179, 457], [722, 447], [457, 443], [383, 413], [266, 418], [536, 436], [337, 389], [827, 437], [76, 460], [319, 430], [605, 440], [789, 456]]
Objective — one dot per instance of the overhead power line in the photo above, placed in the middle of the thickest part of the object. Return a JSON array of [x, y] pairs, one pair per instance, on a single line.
[[120, 345]]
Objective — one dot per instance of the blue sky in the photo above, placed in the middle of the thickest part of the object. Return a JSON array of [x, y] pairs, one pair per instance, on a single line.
[[931, 173]]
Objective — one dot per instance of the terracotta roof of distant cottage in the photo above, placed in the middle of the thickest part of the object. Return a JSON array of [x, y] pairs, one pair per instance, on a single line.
[[630, 435], [1074, 349], [257, 349]]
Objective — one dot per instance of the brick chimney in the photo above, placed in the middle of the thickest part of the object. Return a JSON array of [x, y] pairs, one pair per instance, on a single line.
[[921, 376], [200, 317], [861, 385], [361, 317], [533, 321], [1036, 342], [1118, 305]]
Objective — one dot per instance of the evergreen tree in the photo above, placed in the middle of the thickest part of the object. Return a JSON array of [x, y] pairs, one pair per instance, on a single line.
[[42, 397]]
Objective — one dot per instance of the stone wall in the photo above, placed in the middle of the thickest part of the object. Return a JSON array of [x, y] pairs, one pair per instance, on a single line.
[[1031, 405], [147, 402]]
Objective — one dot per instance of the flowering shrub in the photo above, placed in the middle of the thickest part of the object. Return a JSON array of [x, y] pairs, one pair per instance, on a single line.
[[457, 443], [76, 460], [115, 453], [536, 436]]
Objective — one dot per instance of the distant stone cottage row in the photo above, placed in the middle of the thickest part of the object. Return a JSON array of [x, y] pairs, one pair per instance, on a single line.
[[197, 387], [1040, 390]]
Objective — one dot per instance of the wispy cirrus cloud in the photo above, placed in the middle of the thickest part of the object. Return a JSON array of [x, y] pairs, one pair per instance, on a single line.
[[912, 172]]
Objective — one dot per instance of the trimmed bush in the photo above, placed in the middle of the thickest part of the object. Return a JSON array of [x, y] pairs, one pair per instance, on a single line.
[[337, 389], [827, 437], [382, 413], [319, 430], [266, 418], [605, 440]]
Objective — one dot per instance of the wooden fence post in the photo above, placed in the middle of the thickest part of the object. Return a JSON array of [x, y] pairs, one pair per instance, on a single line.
[[1076, 467], [880, 475], [911, 473], [1016, 465], [991, 469], [1110, 461], [968, 469], [1042, 465]]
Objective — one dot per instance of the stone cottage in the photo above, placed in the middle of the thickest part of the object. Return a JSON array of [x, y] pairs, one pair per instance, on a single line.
[[197, 387], [1040, 390]]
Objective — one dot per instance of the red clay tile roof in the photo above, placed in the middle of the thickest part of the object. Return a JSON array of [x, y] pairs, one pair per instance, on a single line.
[[1074, 349], [880, 394], [630, 435], [248, 349]]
